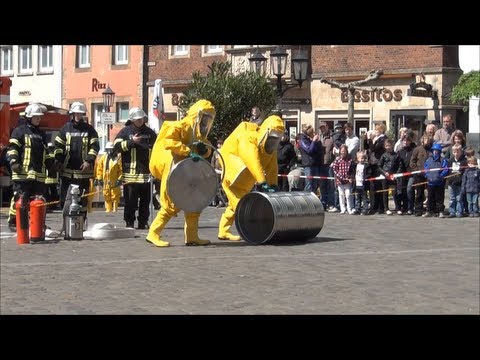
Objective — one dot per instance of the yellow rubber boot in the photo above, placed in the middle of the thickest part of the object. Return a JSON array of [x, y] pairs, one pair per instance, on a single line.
[[156, 228], [191, 230], [115, 206], [225, 223], [108, 206]]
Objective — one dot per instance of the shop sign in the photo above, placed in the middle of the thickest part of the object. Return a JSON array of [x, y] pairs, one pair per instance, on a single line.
[[379, 95], [422, 89]]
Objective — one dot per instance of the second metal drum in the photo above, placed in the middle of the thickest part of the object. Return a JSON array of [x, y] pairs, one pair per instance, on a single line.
[[192, 185]]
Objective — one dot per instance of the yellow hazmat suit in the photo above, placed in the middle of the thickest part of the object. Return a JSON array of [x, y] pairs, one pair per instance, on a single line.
[[248, 160], [173, 144], [109, 171]]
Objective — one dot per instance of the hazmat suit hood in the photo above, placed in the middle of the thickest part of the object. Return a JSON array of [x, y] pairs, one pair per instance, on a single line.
[[270, 134], [200, 117]]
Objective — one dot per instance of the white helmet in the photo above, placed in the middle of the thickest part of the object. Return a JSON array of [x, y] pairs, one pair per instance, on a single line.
[[35, 110], [109, 145], [78, 108], [136, 113]]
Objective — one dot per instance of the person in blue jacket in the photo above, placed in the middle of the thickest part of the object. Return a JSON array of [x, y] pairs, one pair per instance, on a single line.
[[435, 181]]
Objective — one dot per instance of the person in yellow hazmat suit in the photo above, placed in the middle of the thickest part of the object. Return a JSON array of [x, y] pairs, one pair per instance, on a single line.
[[176, 141], [250, 155], [108, 173]]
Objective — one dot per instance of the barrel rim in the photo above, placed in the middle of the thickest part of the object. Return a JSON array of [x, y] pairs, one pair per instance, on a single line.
[[182, 163], [237, 222]]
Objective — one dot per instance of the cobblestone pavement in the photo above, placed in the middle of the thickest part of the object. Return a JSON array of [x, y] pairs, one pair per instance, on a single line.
[[356, 265]]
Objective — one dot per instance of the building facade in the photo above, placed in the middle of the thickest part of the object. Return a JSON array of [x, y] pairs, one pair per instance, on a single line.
[[35, 71], [87, 72], [174, 65], [397, 98]]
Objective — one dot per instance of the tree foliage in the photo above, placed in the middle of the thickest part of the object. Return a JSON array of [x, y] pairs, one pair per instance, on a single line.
[[468, 85], [232, 95]]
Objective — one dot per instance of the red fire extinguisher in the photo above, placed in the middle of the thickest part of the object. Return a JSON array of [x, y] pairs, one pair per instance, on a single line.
[[38, 212], [21, 206]]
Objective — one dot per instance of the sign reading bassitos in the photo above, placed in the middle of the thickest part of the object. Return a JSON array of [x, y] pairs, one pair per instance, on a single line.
[[374, 95]]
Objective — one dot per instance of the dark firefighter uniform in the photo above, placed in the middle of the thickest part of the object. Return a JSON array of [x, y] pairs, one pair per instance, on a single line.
[[76, 143], [136, 173], [29, 159]]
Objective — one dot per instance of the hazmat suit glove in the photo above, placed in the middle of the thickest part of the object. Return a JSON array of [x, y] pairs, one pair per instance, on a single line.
[[16, 167], [118, 183], [264, 187], [201, 147], [195, 157]]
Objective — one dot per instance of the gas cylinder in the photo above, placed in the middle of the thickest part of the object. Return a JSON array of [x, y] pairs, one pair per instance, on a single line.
[[38, 212], [21, 206], [74, 217]]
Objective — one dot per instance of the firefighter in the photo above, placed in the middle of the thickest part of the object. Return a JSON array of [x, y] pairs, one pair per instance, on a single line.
[[76, 148], [250, 155], [51, 180], [108, 174], [175, 143], [28, 158], [134, 142]]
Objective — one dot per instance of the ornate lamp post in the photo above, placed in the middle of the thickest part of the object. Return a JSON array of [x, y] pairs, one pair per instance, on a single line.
[[108, 99], [278, 64]]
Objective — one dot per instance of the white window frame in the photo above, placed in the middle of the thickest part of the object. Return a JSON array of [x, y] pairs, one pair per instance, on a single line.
[[21, 54], [6, 57], [119, 112], [49, 50], [80, 50], [179, 50], [213, 49], [117, 59]]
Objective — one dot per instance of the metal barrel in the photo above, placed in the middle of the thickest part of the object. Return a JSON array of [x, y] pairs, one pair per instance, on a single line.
[[279, 217], [192, 185]]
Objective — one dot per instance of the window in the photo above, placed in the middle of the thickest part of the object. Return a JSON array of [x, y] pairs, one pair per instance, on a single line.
[[122, 111], [45, 58], [6, 61], [120, 54], [25, 59], [83, 56], [179, 50], [213, 49]]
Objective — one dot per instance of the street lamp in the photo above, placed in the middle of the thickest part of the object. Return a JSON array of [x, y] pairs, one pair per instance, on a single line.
[[108, 98], [278, 62]]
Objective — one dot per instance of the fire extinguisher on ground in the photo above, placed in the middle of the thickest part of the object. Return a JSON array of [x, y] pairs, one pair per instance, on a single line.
[[30, 219], [38, 213]]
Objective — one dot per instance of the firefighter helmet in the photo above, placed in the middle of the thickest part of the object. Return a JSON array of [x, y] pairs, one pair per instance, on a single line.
[[136, 113], [78, 108], [35, 110]]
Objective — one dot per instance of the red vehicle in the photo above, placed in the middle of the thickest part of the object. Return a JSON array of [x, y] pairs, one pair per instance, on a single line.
[[11, 117]]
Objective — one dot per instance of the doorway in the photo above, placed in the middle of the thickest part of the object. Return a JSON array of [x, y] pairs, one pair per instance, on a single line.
[[414, 120]]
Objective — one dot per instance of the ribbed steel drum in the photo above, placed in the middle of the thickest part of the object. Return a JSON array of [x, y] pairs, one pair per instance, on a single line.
[[278, 217], [192, 185]]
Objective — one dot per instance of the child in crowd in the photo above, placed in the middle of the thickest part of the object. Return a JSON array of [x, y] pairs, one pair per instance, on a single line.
[[385, 165], [417, 163], [471, 186], [362, 171], [457, 163], [401, 164], [435, 181], [343, 171]]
